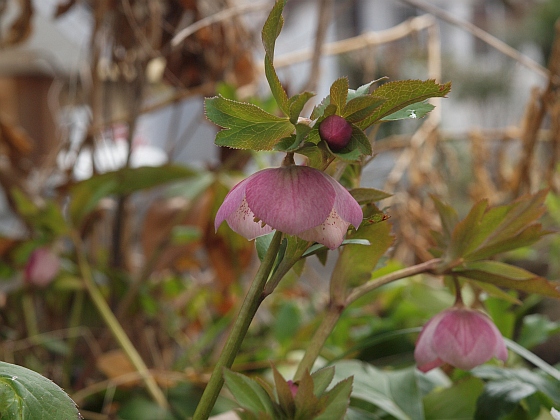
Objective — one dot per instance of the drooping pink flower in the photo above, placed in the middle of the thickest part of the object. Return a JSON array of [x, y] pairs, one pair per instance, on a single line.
[[462, 337], [42, 267], [297, 200]]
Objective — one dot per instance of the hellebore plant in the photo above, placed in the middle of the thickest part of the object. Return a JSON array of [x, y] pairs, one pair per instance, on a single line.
[[296, 200], [462, 337]]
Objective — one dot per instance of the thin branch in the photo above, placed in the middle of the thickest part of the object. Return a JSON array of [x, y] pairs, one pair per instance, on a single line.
[[215, 18], [480, 34]]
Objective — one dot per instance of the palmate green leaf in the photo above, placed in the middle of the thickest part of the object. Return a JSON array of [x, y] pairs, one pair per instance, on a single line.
[[402, 93], [412, 112], [25, 394], [356, 262], [248, 393], [505, 275], [454, 403], [86, 194], [246, 126]]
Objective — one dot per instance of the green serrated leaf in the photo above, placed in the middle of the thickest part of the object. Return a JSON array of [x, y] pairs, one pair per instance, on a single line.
[[508, 276], [86, 194], [356, 262], [276, 87], [361, 107], [368, 195], [248, 393], [361, 91], [284, 393], [272, 27], [322, 378], [449, 219], [307, 404], [246, 126], [337, 401], [25, 394], [339, 92], [410, 112], [319, 109], [463, 237], [402, 93], [296, 104]]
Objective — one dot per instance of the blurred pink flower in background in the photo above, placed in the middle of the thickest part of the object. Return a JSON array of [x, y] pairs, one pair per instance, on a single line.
[[462, 337], [297, 200], [42, 267]]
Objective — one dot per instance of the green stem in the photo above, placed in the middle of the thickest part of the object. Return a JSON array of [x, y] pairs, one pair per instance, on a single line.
[[74, 322], [30, 315], [318, 341], [248, 310], [335, 311], [116, 329]]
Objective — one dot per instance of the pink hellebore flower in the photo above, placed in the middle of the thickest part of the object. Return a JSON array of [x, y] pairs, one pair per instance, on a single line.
[[462, 337], [297, 200], [42, 267]]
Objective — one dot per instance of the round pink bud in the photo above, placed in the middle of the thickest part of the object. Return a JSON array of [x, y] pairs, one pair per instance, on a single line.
[[336, 131], [42, 267]]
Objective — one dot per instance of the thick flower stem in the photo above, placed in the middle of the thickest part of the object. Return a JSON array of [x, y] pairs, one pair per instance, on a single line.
[[116, 329], [335, 311], [241, 324]]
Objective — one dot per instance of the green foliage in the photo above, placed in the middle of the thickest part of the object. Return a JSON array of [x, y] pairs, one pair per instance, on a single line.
[[25, 394], [86, 194], [246, 126], [506, 389], [309, 398]]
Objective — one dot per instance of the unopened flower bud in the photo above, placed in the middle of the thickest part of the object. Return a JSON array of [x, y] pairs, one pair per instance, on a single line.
[[336, 131], [42, 267]]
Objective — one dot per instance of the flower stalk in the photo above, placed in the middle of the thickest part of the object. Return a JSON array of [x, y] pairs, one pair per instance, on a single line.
[[335, 311], [238, 331]]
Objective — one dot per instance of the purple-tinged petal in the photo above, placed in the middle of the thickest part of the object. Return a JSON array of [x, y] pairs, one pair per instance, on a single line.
[[424, 353], [291, 199], [231, 203], [346, 206], [242, 221], [462, 337], [329, 233]]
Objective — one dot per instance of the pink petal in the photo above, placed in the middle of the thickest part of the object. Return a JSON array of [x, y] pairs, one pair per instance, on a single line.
[[231, 203], [424, 353], [329, 233], [242, 221], [42, 267], [291, 199], [345, 205]]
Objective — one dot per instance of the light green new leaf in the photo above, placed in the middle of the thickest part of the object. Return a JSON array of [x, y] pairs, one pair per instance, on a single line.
[[402, 93], [505, 275], [25, 394], [322, 378], [296, 104], [361, 107], [246, 126], [412, 112], [248, 393], [339, 92]]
